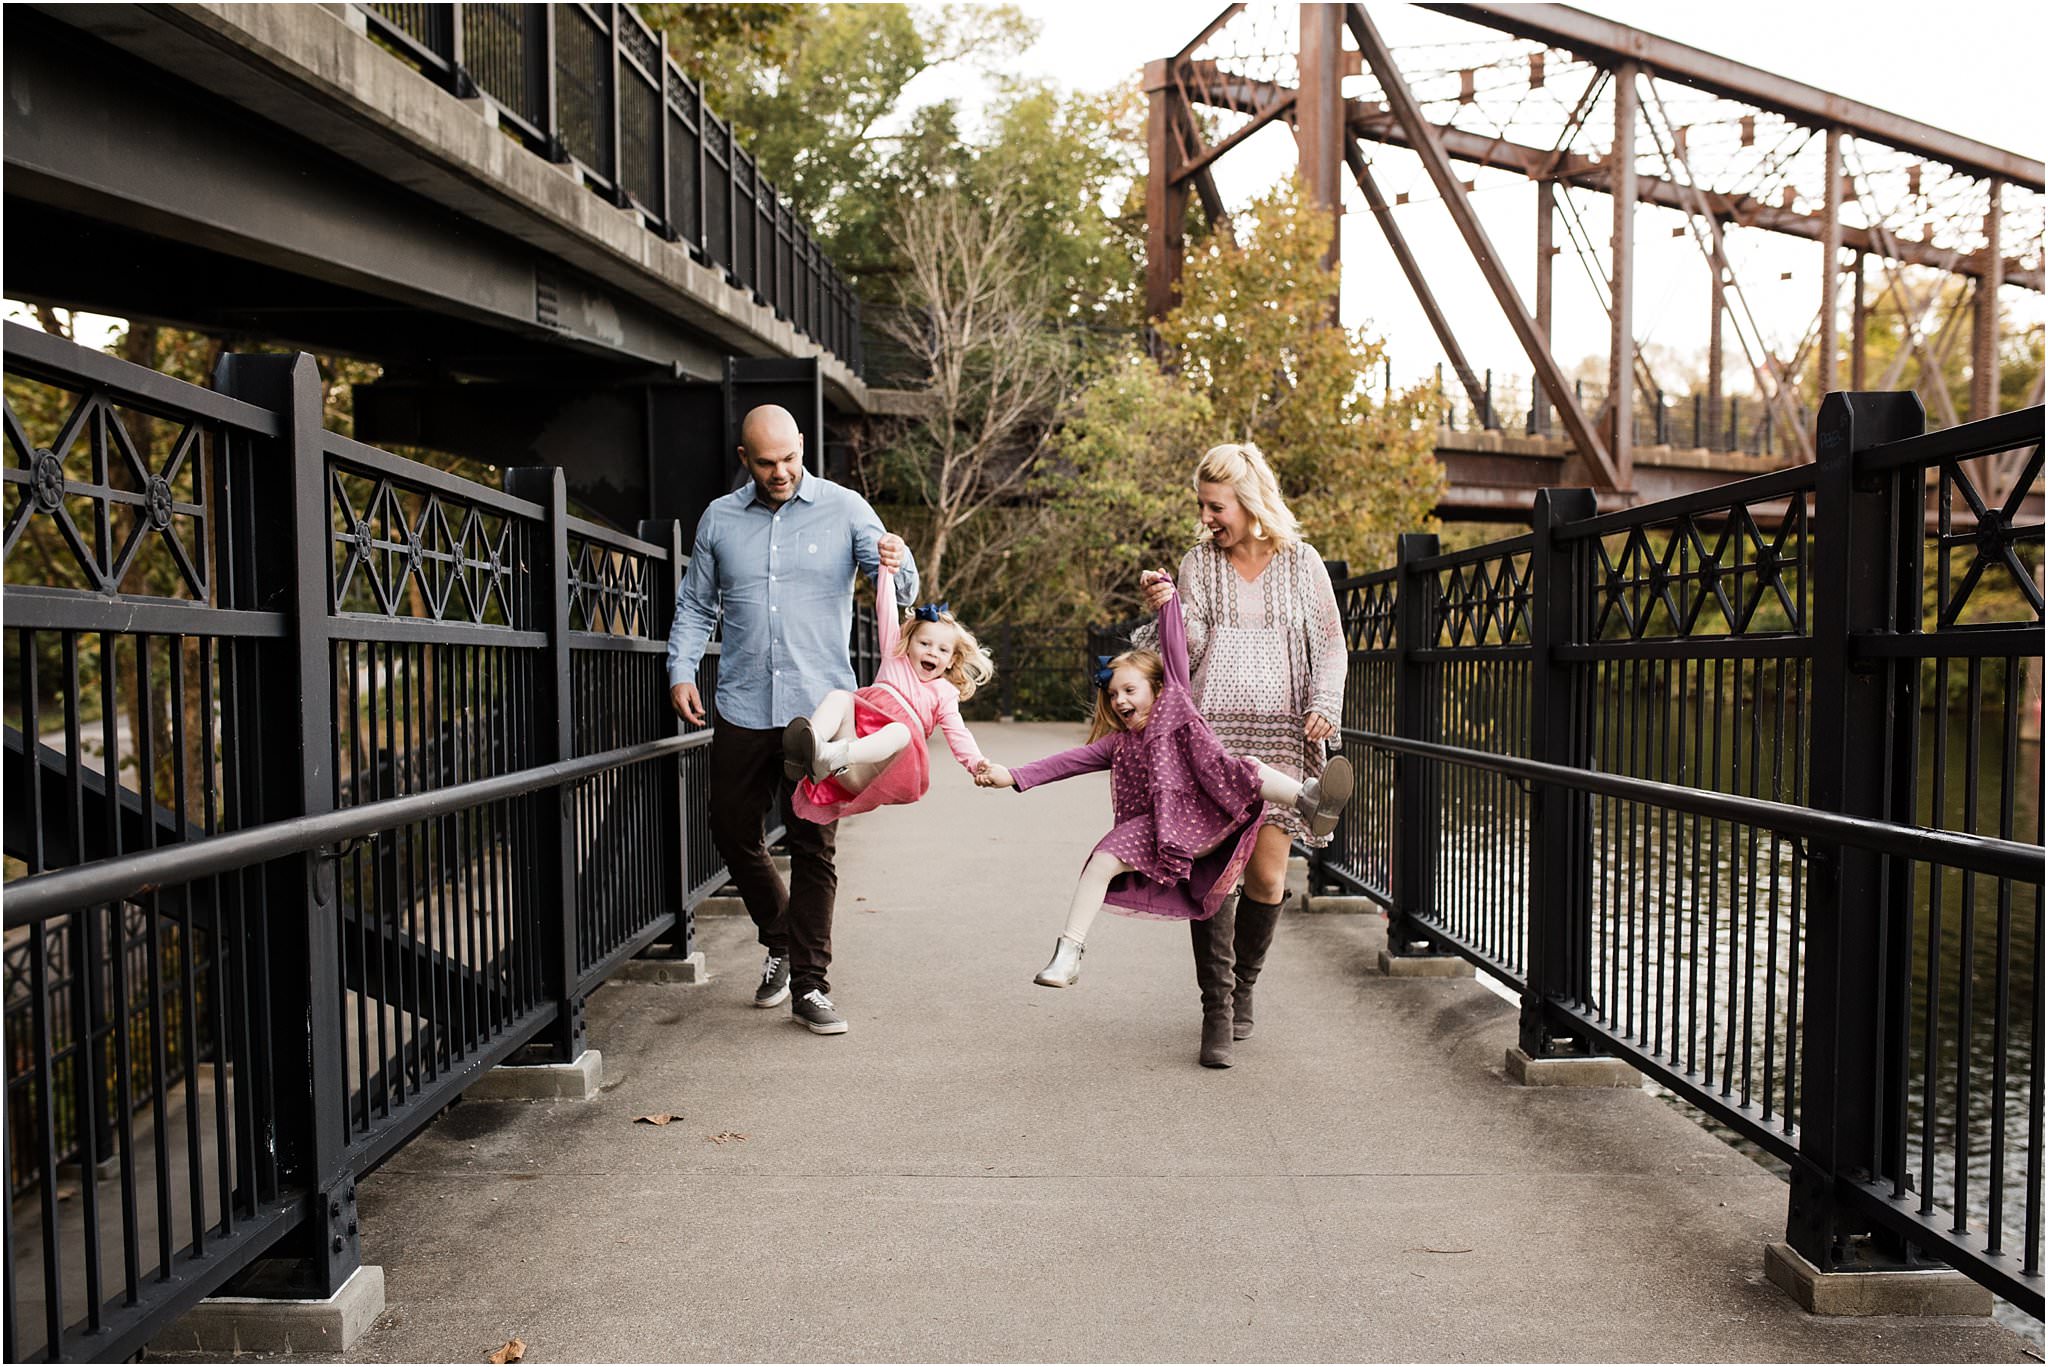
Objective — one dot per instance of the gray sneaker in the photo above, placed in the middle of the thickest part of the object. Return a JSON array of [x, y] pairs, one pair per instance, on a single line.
[[774, 988], [814, 1009]]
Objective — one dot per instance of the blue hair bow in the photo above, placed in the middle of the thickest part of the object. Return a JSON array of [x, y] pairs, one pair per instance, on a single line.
[[1102, 670], [930, 611]]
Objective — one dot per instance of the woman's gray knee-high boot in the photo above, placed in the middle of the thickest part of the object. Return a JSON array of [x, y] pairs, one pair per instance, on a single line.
[[1214, 941], [1252, 937]]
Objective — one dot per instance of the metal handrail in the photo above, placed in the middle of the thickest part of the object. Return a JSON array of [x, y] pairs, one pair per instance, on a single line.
[[1975, 853], [109, 880]]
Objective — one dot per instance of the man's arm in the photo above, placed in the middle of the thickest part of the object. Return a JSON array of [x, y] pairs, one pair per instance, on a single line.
[[867, 550], [696, 618]]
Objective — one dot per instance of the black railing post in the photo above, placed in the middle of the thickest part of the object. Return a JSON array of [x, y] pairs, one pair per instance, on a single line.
[[671, 826], [615, 158], [1866, 582], [1561, 732], [1415, 785], [550, 884], [661, 137], [551, 89], [459, 79], [300, 934]]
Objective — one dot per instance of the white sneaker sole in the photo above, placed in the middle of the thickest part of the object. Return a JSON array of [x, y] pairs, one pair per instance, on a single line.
[[778, 999], [835, 1028]]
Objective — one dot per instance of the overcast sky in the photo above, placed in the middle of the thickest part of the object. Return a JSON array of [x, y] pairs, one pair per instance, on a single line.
[[1873, 52]]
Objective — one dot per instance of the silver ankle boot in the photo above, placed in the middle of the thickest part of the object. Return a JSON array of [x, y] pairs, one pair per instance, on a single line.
[[1065, 967], [1323, 799]]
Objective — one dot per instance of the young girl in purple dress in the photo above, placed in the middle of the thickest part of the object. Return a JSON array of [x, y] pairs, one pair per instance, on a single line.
[[1187, 811]]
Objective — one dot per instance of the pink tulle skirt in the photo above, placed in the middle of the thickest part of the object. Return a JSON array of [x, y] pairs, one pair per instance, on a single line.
[[908, 777]]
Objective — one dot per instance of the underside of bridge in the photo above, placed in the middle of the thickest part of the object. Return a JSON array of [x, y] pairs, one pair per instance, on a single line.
[[275, 177]]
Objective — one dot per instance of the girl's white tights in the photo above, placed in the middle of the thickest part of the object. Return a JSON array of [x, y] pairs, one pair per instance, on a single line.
[[1274, 786], [862, 757]]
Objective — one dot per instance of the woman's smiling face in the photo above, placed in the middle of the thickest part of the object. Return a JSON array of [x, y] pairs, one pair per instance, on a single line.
[[1131, 696], [1225, 519]]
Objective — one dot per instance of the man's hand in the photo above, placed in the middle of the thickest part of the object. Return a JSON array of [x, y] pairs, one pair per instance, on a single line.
[[1318, 727], [687, 703], [890, 549], [1158, 589], [991, 775]]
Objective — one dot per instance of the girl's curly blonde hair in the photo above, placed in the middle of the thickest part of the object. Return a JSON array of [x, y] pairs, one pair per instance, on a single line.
[[1146, 662], [1243, 467], [972, 665]]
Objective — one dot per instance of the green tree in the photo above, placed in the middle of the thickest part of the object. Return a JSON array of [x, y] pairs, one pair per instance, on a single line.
[[1251, 334]]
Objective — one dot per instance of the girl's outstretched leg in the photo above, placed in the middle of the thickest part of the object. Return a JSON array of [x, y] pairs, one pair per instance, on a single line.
[[805, 738], [1096, 874], [859, 762], [1320, 801]]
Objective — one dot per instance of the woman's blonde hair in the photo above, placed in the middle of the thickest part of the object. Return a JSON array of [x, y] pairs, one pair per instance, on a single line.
[[1146, 662], [1243, 467], [972, 665]]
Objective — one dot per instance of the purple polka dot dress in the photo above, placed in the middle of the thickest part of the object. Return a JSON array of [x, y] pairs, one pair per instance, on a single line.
[[1186, 809]]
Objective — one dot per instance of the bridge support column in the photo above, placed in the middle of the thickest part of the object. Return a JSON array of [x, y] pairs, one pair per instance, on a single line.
[[1166, 194], [1984, 332], [552, 886], [1621, 350], [1861, 762], [1546, 224], [1410, 953], [1552, 1050], [1831, 257]]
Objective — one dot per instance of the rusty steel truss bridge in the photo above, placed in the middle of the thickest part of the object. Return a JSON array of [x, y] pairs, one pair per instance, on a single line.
[[1928, 225]]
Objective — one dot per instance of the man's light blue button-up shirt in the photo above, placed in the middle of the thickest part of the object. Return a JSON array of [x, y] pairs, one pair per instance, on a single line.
[[783, 580]]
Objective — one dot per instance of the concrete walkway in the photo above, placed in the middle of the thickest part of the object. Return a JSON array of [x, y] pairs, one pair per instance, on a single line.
[[983, 1169]]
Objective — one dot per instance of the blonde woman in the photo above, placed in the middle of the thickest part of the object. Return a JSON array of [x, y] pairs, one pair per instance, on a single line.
[[1266, 642]]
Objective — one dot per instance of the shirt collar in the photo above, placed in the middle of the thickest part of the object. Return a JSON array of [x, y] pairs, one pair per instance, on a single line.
[[806, 490]]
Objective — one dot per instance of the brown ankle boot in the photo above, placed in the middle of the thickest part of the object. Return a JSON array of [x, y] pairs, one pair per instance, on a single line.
[[1253, 936], [1213, 944]]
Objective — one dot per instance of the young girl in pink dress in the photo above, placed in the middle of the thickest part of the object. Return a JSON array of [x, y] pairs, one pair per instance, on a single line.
[[862, 750], [1187, 811]]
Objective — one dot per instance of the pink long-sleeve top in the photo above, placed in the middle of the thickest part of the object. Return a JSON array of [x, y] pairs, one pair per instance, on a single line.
[[934, 704]]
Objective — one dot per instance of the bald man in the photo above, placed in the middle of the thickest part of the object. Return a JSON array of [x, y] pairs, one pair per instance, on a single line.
[[775, 560]]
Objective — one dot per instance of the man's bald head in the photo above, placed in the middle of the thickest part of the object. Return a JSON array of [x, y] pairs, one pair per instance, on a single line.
[[769, 428], [772, 451]]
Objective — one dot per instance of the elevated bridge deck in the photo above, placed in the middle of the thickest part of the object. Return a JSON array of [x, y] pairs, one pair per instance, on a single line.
[[983, 1169]]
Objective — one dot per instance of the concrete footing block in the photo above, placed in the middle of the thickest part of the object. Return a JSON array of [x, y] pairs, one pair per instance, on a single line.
[[1570, 1072], [1338, 905], [664, 968], [574, 1081], [226, 1326], [1918, 1291], [1424, 966], [723, 904]]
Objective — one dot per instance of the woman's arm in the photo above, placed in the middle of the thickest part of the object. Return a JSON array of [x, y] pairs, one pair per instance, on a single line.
[[1327, 655], [958, 738]]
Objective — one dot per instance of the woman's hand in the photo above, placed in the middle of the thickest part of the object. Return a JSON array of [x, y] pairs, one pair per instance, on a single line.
[[991, 775], [1318, 727], [1158, 589]]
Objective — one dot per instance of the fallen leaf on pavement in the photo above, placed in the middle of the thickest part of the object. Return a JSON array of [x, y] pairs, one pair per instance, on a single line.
[[513, 1351], [659, 1118], [727, 1137]]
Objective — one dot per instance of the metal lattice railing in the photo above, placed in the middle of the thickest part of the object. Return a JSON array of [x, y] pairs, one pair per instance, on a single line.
[[591, 85], [1743, 787]]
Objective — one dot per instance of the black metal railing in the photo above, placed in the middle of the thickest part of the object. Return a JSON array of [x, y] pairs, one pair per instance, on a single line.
[[591, 86], [1744, 788], [305, 741]]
